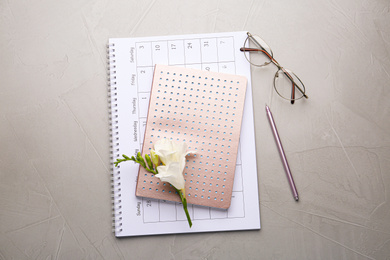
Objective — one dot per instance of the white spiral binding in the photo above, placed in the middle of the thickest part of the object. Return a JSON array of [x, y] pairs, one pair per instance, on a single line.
[[114, 139]]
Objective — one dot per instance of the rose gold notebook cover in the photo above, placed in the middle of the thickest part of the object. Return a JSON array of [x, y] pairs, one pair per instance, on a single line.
[[203, 109]]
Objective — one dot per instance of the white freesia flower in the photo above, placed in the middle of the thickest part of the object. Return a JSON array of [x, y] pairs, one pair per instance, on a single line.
[[170, 151], [173, 157], [172, 173]]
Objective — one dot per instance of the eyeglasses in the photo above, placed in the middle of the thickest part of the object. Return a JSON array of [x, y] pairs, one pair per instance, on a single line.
[[286, 84]]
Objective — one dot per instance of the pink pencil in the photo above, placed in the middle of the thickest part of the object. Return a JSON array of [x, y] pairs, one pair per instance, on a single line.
[[281, 152]]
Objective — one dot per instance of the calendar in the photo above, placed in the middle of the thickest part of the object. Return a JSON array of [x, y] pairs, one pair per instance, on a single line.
[[133, 63]]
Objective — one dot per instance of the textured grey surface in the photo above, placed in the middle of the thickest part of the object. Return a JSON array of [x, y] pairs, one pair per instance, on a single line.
[[54, 139]]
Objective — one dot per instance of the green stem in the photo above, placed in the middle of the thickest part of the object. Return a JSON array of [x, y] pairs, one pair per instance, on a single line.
[[140, 161], [184, 202]]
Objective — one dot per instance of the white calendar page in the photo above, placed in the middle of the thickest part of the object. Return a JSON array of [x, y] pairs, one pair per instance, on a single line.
[[134, 63]]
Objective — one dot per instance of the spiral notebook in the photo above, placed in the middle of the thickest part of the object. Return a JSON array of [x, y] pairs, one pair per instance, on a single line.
[[131, 64], [204, 110]]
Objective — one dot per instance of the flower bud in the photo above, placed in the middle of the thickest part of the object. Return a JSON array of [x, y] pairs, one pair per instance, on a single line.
[[154, 157], [148, 161]]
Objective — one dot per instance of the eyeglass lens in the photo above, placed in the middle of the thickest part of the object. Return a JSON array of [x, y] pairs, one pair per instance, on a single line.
[[255, 52], [285, 87]]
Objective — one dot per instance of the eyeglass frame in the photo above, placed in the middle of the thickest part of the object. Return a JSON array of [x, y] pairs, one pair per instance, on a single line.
[[280, 68]]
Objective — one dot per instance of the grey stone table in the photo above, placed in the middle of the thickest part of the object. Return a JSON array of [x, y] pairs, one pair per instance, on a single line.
[[54, 140]]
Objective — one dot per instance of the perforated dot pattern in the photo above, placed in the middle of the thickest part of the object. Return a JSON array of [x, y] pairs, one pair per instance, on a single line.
[[203, 109]]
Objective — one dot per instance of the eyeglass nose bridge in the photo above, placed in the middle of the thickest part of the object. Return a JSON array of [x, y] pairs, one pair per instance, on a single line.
[[277, 64]]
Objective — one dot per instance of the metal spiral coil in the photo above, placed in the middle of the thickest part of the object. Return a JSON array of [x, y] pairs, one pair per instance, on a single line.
[[114, 140]]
